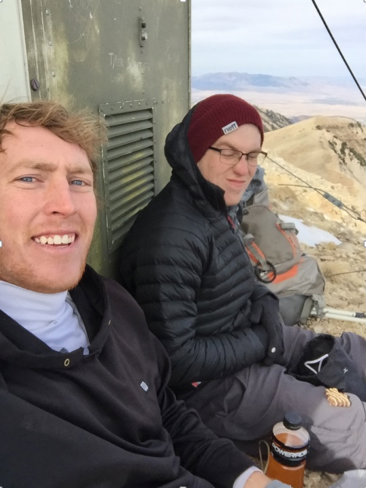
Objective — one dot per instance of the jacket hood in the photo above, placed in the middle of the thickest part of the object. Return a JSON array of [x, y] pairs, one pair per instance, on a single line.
[[185, 169]]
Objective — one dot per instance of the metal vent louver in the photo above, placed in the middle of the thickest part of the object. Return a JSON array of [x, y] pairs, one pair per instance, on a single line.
[[127, 166]]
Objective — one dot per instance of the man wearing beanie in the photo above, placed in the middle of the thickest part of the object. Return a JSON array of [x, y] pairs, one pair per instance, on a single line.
[[231, 354]]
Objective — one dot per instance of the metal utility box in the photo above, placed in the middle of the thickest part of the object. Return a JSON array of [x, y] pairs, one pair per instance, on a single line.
[[129, 60]]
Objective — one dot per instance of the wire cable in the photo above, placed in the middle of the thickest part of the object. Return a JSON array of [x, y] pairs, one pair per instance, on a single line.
[[338, 48], [352, 213], [340, 52], [358, 271]]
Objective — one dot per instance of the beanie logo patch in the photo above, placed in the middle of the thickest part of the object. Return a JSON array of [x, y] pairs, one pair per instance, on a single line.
[[230, 127]]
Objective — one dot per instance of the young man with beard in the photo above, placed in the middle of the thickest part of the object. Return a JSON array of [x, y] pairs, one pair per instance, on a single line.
[[84, 400], [232, 357]]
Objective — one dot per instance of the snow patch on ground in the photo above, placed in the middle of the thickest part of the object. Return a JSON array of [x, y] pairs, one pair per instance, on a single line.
[[310, 235]]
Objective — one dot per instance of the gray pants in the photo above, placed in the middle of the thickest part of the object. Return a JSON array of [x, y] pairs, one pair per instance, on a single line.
[[244, 407]]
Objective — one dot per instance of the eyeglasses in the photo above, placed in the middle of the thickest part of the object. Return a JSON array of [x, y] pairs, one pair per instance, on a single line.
[[232, 156]]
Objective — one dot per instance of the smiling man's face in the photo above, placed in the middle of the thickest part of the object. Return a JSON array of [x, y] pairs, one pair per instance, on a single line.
[[47, 210]]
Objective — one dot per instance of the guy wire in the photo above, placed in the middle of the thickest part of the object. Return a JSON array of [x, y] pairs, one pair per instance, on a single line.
[[352, 213], [347, 272]]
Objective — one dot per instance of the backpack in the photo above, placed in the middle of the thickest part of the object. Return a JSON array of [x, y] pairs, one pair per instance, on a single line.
[[279, 262]]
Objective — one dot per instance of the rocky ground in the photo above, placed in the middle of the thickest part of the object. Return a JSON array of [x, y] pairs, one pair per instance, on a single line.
[[344, 269], [343, 265]]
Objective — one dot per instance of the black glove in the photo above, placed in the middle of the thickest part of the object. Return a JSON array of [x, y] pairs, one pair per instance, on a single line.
[[325, 362], [265, 311]]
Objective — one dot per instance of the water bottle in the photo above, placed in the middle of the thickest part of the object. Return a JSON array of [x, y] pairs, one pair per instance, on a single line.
[[288, 451]]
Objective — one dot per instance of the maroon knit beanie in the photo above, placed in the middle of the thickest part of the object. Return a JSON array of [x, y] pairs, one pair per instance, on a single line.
[[218, 115]]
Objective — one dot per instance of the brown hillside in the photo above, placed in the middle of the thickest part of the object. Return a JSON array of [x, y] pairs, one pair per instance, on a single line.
[[273, 120], [331, 147]]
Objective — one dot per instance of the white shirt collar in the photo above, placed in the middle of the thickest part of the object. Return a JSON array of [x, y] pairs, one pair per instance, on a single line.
[[52, 317]]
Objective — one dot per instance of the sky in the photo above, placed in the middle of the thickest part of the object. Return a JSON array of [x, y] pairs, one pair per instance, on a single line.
[[279, 37]]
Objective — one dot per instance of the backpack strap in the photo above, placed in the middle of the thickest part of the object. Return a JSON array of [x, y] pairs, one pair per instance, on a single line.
[[264, 269]]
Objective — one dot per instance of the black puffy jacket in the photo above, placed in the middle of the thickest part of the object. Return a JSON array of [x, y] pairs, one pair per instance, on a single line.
[[186, 266]]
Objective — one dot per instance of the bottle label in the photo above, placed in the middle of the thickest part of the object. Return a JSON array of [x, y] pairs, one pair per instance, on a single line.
[[290, 456]]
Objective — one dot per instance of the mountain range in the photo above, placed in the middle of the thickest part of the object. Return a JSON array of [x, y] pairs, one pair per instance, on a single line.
[[241, 81], [295, 98]]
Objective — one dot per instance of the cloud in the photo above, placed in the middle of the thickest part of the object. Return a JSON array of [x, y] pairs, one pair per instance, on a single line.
[[286, 37]]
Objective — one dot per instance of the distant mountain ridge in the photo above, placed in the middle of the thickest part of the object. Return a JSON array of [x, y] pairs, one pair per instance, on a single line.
[[241, 81], [273, 120], [294, 97]]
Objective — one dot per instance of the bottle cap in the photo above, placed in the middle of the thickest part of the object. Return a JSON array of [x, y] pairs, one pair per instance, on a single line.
[[292, 420]]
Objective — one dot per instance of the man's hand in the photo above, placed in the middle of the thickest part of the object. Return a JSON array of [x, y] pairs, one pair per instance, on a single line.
[[265, 311], [257, 480], [260, 480]]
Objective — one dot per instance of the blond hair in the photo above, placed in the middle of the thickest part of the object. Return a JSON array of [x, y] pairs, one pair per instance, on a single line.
[[82, 128]]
